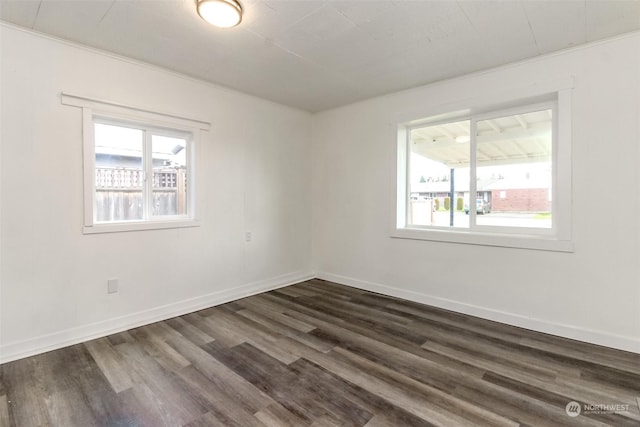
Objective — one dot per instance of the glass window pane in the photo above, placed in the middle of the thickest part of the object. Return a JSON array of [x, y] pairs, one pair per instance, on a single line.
[[514, 170], [439, 163], [118, 173], [169, 157]]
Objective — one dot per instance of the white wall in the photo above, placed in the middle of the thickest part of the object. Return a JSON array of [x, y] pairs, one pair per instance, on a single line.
[[592, 294], [254, 164]]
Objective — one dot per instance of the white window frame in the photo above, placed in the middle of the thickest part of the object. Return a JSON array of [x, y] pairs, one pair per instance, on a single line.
[[557, 238], [99, 111]]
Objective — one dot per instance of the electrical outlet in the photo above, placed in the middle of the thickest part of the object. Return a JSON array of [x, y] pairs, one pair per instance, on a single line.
[[112, 286], [247, 236]]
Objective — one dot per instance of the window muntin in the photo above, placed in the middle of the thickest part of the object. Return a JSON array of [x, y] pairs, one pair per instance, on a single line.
[[141, 172], [501, 166]]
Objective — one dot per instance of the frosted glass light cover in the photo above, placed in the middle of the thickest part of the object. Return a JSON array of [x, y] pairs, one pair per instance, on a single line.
[[221, 13]]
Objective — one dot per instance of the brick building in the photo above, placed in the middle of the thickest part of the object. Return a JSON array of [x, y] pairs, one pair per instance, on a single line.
[[521, 200], [520, 196]]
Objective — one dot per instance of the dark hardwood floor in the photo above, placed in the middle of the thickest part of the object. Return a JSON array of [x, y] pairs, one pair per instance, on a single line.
[[322, 354]]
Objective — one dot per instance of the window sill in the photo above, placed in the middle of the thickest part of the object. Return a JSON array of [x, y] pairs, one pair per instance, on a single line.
[[524, 241], [121, 227]]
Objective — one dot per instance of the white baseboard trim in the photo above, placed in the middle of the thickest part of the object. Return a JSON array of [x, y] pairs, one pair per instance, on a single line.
[[620, 342], [56, 340]]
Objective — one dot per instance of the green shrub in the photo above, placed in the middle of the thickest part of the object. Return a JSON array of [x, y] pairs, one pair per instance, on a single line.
[[447, 203], [459, 204], [436, 202]]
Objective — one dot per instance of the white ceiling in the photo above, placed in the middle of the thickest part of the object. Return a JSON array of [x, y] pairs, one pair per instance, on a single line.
[[319, 54]]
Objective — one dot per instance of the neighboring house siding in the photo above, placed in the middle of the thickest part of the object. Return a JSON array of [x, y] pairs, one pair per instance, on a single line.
[[521, 200]]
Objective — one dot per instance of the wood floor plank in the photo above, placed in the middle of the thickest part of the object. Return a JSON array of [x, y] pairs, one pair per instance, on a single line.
[[220, 375], [322, 354], [473, 415], [68, 408], [358, 333], [119, 338], [296, 291], [146, 409], [179, 406], [273, 312], [310, 340], [209, 419], [220, 405], [276, 415], [325, 421], [189, 331], [327, 312], [271, 376], [622, 360], [491, 329], [409, 401], [551, 385], [332, 393], [4, 410], [217, 419], [363, 312], [254, 333], [151, 341], [332, 289], [447, 380], [469, 354], [111, 363], [26, 392], [319, 288], [214, 329], [350, 392], [504, 401], [386, 420], [554, 399], [492, 347], [78, 369]]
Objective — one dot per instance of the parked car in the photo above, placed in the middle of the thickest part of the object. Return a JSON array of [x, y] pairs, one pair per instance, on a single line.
[[482, 207]]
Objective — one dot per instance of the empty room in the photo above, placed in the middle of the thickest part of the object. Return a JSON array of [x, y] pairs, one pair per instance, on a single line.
[[319, 213]]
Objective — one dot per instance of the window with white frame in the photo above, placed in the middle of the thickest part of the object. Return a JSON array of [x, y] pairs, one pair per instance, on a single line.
[[497, 177], [139, 167]]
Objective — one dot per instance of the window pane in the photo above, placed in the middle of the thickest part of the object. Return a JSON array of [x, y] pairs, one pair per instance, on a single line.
[[169, 157], [118, 173], [439, 159], [514, 170]]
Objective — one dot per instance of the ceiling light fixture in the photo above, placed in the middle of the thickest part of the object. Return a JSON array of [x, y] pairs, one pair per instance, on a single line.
[[221, 13]]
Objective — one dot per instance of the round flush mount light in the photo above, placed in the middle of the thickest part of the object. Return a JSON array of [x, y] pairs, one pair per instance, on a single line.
[[221, 13]]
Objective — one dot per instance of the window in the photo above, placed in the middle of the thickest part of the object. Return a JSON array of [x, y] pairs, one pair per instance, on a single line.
[[141, 173], [139, 167], [494, 177]]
